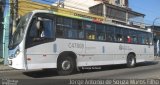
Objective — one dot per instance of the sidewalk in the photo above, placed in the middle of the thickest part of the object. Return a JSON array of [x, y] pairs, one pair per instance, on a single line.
[[5, 68], [157, 59]]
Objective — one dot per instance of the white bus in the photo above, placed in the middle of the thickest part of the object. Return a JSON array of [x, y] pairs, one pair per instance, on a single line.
[[44, 40]]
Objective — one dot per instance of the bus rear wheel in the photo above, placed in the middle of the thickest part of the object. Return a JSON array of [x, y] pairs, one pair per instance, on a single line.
[[131, 61], [66, 65]]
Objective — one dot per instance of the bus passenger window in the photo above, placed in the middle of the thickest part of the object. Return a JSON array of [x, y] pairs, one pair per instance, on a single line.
[[71, 33], [80, 34], [41, 28], [128, 39], [101, 36], [59, 32], [90, 36]]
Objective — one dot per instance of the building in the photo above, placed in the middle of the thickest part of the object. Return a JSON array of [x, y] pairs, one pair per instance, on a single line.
[[116, 11], [84, 5], [119, 15], [120, 3]]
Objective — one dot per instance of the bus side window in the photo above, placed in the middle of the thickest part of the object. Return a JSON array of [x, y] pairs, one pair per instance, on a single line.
[[70, 29], [59, 27], [100, 29], [80, 34], [71, 33], [90, 36], [90, 30], [80, 29], [110, 33], [48, 26], [42, 29], [128, 39], [33, 31]]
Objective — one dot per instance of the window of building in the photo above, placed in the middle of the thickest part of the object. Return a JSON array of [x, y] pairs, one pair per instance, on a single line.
[[117, 2]]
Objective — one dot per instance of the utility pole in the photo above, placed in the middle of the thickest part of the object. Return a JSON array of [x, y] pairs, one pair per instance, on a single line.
[[6, 27], [15, 13]]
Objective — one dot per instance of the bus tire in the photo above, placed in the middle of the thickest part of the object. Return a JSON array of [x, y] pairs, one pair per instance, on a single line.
[[131, 61], [66, 65]]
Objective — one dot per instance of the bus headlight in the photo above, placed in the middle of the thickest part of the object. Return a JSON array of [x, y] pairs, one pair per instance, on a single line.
[[17, 52]]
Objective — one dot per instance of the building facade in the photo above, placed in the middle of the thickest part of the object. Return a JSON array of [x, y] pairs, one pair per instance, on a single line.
[[84, 5], [120, 3]]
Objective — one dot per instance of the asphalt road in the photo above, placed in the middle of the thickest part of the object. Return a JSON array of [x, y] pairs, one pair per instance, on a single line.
[[147, 70]]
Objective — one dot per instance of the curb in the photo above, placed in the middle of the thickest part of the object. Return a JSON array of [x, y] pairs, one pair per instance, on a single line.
[[6, 68]]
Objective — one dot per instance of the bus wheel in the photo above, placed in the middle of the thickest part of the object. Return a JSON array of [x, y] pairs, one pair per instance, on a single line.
[[66, 65], [131, 61]]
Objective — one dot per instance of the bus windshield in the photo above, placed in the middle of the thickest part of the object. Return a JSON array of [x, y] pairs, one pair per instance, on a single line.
[[19, 33]]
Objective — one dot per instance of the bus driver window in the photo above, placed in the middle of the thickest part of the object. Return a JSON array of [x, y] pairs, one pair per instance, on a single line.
[[41, 29], [38, 31]]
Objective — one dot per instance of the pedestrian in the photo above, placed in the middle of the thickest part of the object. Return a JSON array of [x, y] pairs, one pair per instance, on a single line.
[[157, 48]]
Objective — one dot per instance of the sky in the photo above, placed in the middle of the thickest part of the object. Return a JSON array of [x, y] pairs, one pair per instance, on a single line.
[[151, 8]]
